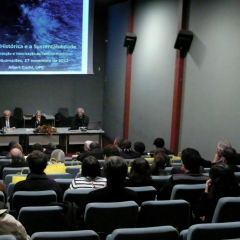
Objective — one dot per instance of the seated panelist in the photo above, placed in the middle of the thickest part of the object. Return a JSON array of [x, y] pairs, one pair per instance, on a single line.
[[38, 120], [80, 119], [7, 121]]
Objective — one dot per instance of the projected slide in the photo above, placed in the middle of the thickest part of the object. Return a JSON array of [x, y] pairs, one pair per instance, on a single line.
[[44, 36]]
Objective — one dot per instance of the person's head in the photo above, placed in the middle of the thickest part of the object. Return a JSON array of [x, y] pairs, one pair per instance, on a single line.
[[37, 146], [38, 114], [139, 147], [51, 146], [94, 145], [7, 114], [159, 143], [90, 167], [110, 150], [115, 170], [80, 112], [18, 146], [118, 141], [159, 163], [224, 183], [10, 145], [37, 162], [191, 160], [58, 155], [229, 156], [16, 155], [87, 145], [140, 170], [126, 144], [221, 146]]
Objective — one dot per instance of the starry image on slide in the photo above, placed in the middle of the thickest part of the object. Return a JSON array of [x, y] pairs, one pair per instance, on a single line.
[[44, 33]]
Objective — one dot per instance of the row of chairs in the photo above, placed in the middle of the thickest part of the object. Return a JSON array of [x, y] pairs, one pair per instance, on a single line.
[[106, 217], [217, 231]]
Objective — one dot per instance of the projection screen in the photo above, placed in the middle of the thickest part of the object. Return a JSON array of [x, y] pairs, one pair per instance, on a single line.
[[46, 36]]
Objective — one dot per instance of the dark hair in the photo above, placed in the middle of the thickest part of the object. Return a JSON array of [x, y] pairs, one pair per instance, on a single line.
[[159, 142], [224, 183], [139, 147], [90, 167], [161, 160], [11, 144], [111, 150], [94, 145], [230, 154], [51, 146], [140, 171], [191, 159], [115, 170], [37, 161], [126, 144], [37, 146]]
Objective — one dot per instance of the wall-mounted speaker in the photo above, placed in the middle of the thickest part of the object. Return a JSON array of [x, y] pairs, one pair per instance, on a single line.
[[130, 42], [183, 42]]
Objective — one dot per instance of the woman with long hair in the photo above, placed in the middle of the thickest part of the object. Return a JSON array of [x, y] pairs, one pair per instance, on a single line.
[[161, 160], [222, 183]]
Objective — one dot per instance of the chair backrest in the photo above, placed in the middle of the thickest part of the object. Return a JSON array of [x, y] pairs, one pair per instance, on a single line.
[[147, 193], [2, 197], [8, 179], [237, 174], [10, 190], [190, 193], [4, 160], [18, 113], [32, 198], [214, 231], [7, 237], [159, 181], [72, 163], [106, 217], [227, 210], [77, 196], [168, 170], [73, 170], [40, 219], [63, 235], [59, 175], [101, 162], [63, 183], [160, 213], [9, 170], [64, 112], [153, 233]]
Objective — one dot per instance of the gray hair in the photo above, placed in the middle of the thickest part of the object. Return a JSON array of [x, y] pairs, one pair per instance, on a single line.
[[7, 111], [81, 109], [38, 112], [59, 155], [223, 144], [16, 155]]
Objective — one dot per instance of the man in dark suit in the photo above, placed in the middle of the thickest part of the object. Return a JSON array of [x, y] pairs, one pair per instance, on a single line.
[[127, 152], [38, 120], [80, 119], [191, 161], [7, 120]]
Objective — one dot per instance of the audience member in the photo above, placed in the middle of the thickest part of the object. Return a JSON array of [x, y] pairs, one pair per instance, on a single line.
[[10, 226], [38, 147], [127, 152], [38, 119], [140, 174], [222, 183], [86, 145], [57, 156], [160, 162], [220, 147], [7, 121], [115, 170], [140, 148], [191, 160], [80, 119], [17, 160], [90, 175], [117, 142], [160, 143], [229, 157], [37, 180], [110, 150], [18, 146], [95, 150], [49, 149], [5, 153]]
